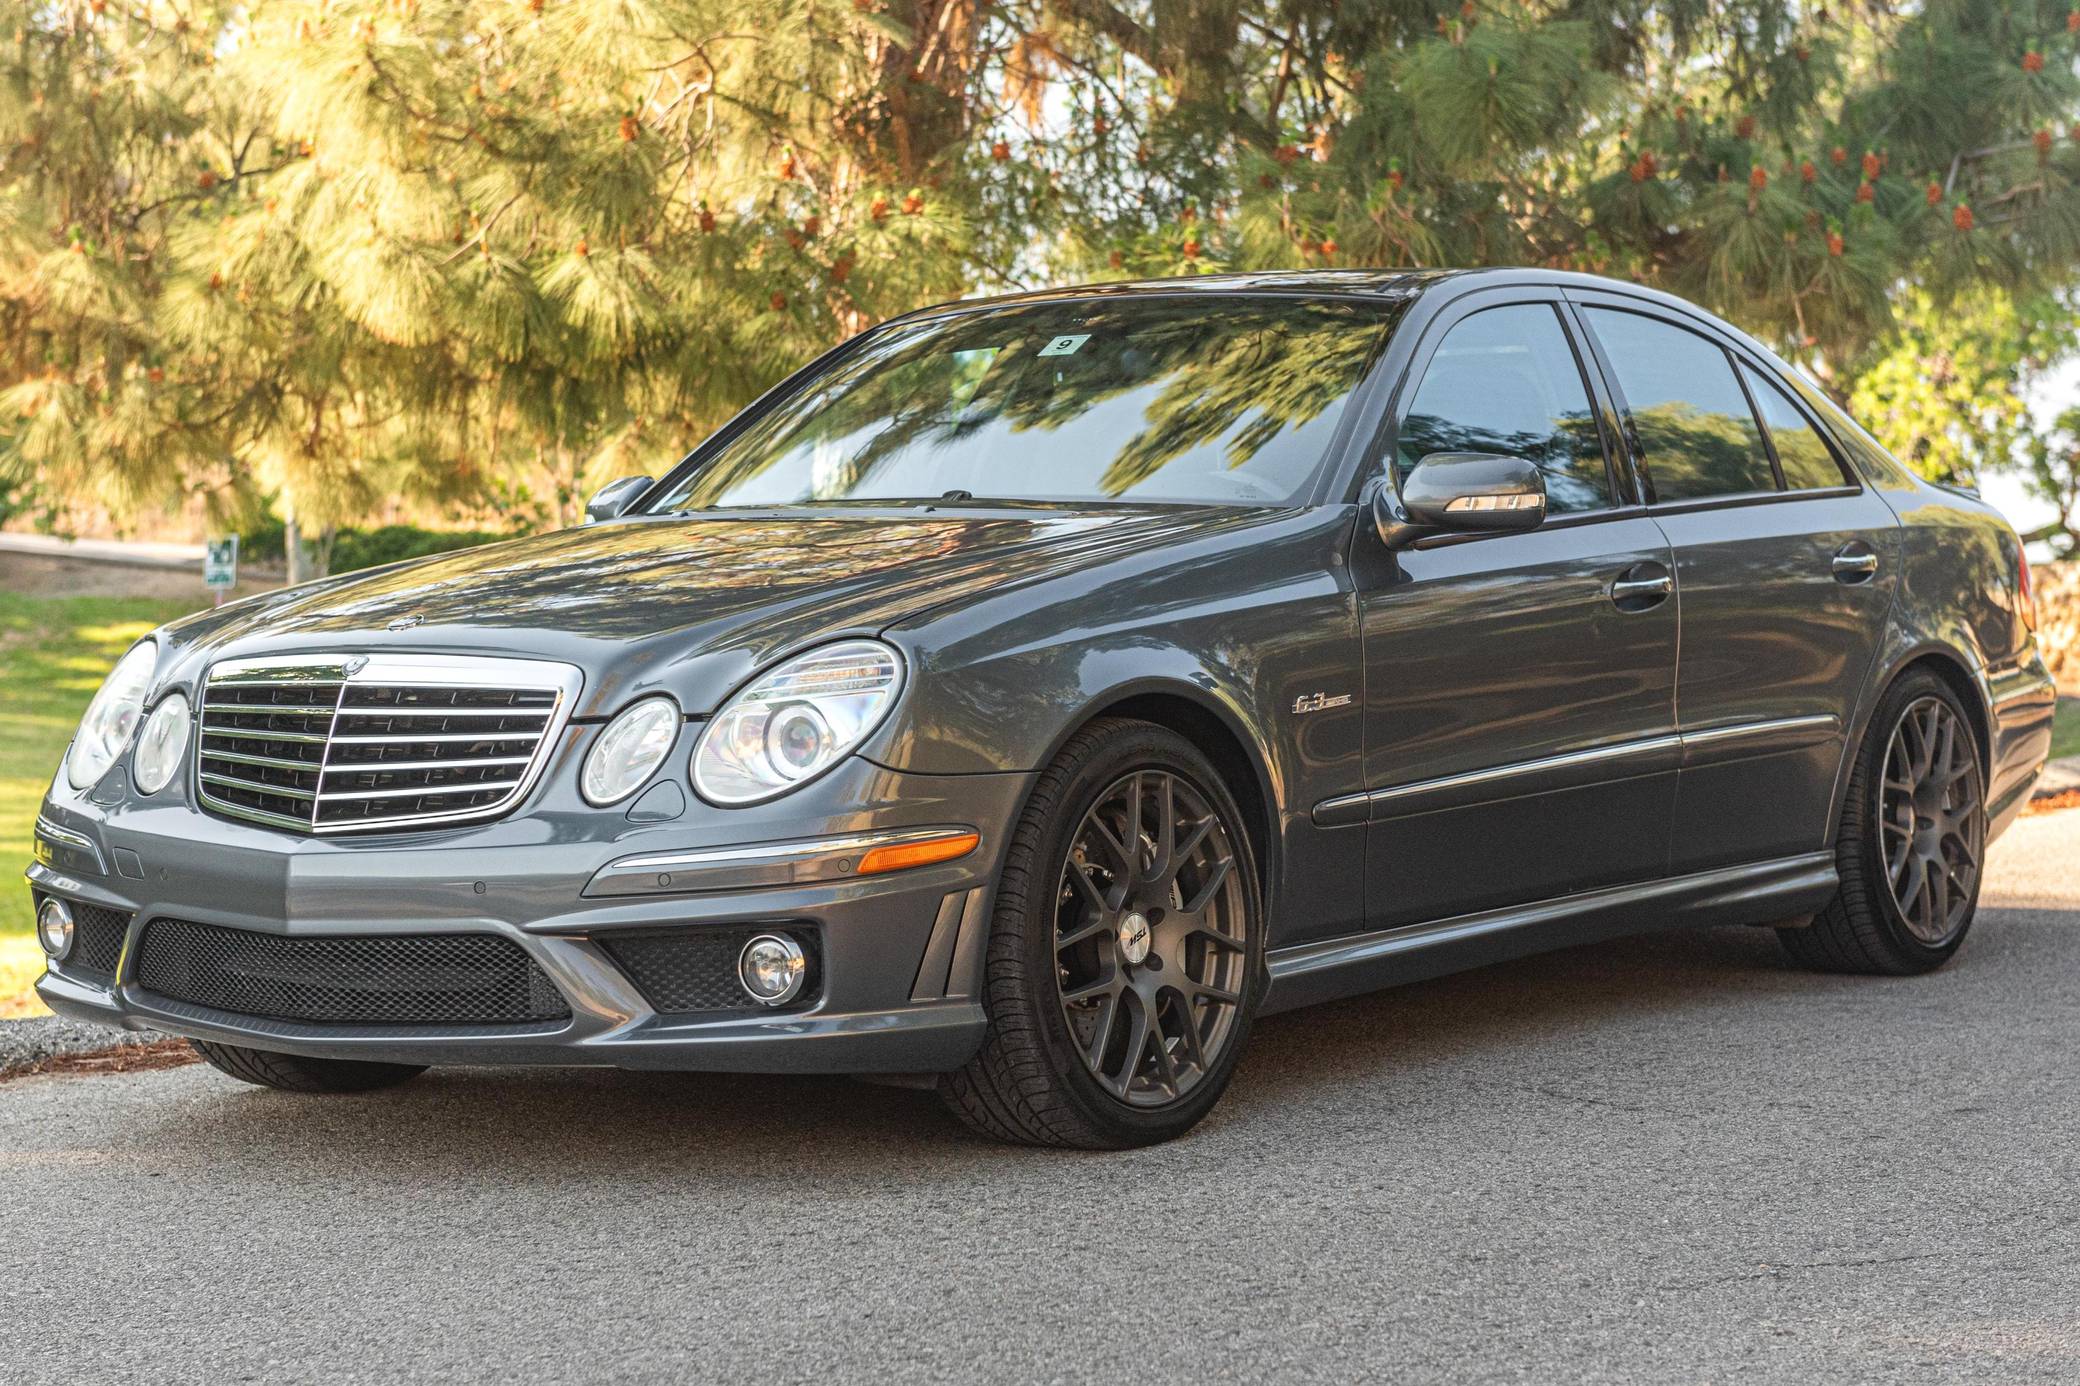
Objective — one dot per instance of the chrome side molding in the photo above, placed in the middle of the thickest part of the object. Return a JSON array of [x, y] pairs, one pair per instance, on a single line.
[[1685, 749]]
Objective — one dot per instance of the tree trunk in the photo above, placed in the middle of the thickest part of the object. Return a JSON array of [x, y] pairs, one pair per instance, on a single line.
[[292, 551], [307, 560]]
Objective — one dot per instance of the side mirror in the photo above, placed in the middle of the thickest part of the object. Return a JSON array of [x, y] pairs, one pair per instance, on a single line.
[[1478, 491], [616, 496]]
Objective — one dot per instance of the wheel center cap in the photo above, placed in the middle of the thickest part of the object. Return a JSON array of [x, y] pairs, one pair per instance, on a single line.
[[1135, 938]]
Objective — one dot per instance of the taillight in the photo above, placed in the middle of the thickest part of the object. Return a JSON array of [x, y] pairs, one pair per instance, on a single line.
[[2026, 591]]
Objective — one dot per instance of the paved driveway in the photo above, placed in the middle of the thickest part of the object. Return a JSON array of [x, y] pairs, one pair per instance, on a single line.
[[1673, 1159]]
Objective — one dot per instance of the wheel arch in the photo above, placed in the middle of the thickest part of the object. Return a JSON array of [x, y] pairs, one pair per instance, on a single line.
[[1217, 732], [1956, 672]]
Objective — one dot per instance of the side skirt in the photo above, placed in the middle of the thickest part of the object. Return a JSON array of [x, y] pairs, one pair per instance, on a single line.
[[1755, 893]]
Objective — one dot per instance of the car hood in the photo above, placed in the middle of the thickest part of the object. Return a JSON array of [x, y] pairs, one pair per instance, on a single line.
[[690, 605]]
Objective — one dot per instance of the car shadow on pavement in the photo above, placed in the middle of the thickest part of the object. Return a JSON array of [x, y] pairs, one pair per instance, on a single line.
[[1697, 999]]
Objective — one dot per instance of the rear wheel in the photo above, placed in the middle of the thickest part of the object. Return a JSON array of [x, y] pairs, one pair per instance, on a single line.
[[300, 1073], [1126, 952], [1911, 842]]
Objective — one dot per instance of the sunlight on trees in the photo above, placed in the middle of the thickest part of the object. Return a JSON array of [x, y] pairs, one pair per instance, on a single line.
[[486, 254]]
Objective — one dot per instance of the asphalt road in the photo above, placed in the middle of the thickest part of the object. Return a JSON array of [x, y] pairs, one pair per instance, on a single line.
[[1665, 1160]]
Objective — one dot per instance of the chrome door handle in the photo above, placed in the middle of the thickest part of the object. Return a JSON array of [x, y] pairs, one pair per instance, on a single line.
[[1855, 563], [1642, 586]]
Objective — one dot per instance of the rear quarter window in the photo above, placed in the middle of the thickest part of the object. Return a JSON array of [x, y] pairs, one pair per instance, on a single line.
[[1808, 463]]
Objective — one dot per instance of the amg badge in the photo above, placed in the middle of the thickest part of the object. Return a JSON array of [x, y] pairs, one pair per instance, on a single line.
[[1317, 702]]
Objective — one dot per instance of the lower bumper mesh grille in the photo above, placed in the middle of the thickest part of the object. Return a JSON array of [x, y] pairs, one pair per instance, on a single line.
[[97, 940], [690, 970], [426, 980]]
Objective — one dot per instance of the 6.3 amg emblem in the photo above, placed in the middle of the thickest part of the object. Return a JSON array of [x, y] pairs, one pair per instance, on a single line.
[[1316, 702]]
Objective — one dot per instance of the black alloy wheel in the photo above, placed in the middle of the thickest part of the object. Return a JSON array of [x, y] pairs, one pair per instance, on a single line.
[[1930, 821], [1151, 938], [1911, 844], [1127, 951]]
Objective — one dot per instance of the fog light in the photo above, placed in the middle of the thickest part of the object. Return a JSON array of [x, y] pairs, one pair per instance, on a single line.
[[54, 928], [772, 968]]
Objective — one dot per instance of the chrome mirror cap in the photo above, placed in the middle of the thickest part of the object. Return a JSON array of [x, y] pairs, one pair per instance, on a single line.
[[612, 499], [1463, 491]]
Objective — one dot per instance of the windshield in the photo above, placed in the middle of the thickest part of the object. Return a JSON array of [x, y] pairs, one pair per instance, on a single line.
[[1186, 399]]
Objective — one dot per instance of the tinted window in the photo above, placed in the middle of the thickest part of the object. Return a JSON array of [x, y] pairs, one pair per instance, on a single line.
[[1694, 425], [1168, 399], [1506, 381], [1805, 459]]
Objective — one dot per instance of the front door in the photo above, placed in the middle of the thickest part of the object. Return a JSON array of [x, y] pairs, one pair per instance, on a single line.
[[1520, 716], [1786, 568]]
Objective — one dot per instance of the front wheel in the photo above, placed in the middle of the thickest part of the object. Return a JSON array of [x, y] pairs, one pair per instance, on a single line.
[[1911, 843], [300, 1073], [1126, 950]]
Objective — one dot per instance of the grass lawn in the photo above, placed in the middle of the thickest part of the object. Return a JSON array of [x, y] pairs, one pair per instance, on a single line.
[[2065, 731], [53, 654]]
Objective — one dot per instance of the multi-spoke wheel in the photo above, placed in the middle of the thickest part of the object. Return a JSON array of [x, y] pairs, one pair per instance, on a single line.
[[1151, 938], [1929, 820], [1911, 840], [1127, 949]]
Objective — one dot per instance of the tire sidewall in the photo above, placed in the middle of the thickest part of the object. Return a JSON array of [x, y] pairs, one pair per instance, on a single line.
[[1145, 747]]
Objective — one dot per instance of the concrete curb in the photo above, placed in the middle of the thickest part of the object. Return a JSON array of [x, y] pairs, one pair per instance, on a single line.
[[24, 1043], [2059, 776]]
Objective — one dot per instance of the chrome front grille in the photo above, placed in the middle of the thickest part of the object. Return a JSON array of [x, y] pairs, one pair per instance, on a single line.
[[378, 742]]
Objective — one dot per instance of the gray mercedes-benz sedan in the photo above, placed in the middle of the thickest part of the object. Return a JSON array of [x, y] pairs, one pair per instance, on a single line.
[[1029, 693]]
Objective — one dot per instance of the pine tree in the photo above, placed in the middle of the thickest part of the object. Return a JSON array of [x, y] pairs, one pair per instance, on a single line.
[[485, 254]]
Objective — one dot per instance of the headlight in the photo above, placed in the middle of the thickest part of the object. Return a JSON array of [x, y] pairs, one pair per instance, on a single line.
[[629, 751], [161, 744], [796, 721], [105, 732]]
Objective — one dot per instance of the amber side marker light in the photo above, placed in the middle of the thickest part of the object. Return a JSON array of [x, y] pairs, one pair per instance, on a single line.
[[925, 853]]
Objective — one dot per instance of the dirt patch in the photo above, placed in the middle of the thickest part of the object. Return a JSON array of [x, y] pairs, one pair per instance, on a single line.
[[129, 1058], [2051, 803]]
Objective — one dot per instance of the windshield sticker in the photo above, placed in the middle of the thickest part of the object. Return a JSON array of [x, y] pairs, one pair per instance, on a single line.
[[1065, 346]]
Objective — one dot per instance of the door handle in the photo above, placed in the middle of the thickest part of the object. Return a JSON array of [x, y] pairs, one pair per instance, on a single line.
[[1642, 587], [1855, 562]]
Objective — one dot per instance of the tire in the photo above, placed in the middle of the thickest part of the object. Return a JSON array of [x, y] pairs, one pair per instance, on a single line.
[[1067, 996], [1867, 927], [298, 1073]]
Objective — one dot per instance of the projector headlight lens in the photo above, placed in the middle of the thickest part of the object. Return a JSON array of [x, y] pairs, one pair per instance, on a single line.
[[161, 744], [796, 721], [629, 751], [111, 719]]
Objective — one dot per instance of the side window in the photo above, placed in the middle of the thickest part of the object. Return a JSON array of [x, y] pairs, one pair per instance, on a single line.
[[1505, 380], [1804, 458], [1698, 435]]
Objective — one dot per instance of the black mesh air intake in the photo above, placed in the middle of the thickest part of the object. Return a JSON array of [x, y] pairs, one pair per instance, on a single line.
[[694, 969], [422, 980], [97, 941]]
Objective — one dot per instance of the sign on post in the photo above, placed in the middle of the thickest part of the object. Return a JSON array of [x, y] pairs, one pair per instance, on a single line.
[[220, 564]]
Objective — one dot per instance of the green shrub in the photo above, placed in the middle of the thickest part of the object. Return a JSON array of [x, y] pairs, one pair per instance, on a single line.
[[354, 549], [263, 541]]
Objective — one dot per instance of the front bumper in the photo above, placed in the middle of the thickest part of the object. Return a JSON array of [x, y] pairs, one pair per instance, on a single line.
[[900, 954]]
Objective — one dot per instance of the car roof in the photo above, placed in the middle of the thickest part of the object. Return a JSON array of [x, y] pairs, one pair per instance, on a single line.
[[1389, 285]]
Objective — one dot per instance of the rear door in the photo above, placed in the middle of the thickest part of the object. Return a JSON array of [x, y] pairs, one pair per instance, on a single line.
[[1519, 719], [1785, 566]]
